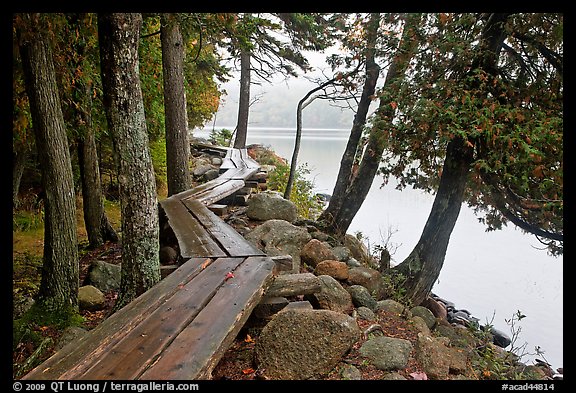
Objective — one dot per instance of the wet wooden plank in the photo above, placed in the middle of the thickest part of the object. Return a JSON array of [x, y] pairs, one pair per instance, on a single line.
[[232, 160], [137, 350], [231, 241], [201, 345], [217, 193], [201, 188], [79, 355], [192, 237], [248, 161]]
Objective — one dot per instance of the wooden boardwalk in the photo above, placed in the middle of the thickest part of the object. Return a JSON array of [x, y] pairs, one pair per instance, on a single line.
[[180, 328]]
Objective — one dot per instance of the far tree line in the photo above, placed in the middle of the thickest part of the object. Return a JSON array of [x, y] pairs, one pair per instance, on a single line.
[[469, 106]]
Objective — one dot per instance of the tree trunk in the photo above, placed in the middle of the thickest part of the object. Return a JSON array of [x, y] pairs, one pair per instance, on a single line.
[[244, 101], [422, 267], [60, 278], [98, 226], [119, 37], [345, 174], [177, 145], [348, 202], [19, 156]]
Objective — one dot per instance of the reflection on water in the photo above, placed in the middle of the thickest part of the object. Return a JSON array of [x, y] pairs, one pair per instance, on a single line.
[[491, 274]]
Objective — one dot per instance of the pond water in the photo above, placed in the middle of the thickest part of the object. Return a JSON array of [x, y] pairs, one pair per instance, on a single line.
[[491, 274]]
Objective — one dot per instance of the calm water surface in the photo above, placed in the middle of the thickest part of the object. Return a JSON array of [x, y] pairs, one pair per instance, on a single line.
[[491, 274]]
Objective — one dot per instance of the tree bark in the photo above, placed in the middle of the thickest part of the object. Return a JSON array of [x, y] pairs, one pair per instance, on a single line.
[[347, 203], [177, 145], [60, 278], [19, 156], [345, 174], [119, 37], [244, 101], [98, 226], [422, 267]]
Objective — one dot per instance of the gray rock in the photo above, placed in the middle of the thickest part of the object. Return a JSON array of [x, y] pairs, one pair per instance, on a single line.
[[361, 297], [279, 237], [304, 344], [342, 253], [332, 296], [387, 353], [21, 305], [391, 306], [201, 169], [357, 248], [425, 314], [216, 161], [500, 338], [104, 276], [367, 277], [269, 205], [365, 313], [353, 262], [211, 174], [420, 324], [434, 356], [90, 298], [350, 373]]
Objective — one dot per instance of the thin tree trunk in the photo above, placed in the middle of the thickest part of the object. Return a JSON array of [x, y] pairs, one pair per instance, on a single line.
[[352, 199], [19, 156], [177, 145], [119, 37], [98, 226], [244, 101], [345, 174], [60, 278]]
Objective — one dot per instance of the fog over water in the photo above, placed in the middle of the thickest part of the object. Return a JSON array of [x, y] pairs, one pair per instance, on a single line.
[[491, 274]]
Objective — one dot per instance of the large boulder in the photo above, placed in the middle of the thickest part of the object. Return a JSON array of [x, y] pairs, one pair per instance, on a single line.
[[279, 237], [104, 276], [269, 205], [304, 344]]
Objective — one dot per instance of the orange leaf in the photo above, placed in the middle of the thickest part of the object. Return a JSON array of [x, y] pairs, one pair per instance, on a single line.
[[249, 370], [394, 105], [248, 339], [206, 263]]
